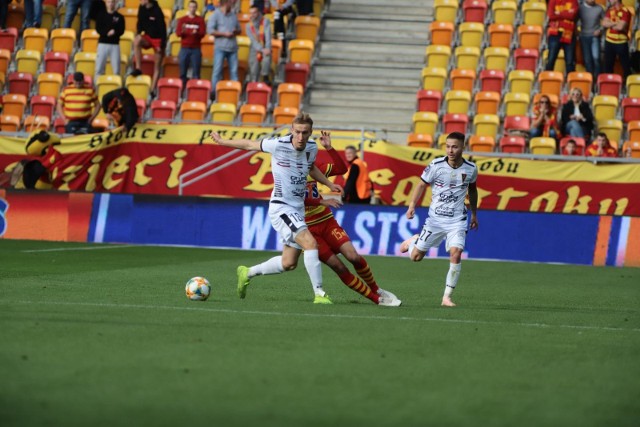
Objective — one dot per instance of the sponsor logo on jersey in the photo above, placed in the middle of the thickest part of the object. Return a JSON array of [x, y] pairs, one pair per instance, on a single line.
[[447, 197], [444, 211]]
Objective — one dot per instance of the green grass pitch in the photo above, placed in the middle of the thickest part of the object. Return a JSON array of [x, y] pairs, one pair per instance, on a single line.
[[103, 335]]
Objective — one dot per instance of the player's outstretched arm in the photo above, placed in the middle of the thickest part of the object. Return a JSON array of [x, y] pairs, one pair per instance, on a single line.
[[243, 144], [415, 196], [317, 174]]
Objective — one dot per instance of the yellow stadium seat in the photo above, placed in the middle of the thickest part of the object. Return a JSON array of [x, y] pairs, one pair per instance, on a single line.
[[560, 66], [534, 12], [516, 104], [604, 107], [437, 56], [85, 62], [300, 51], [193, 111], [471, 34], [63, 40], [28, 61], [441, 32], [49, 13], [486, 125], [75, 23], [107, 83], [496, 58], [542, 146], [307, 27], [462, 79], [434, 78], [458, 101], [49, 84], [482, 143], [126, 43], [504, 12], [487, 102], [633, 86], [284, 115], [244, 47], [206, 68], [35, 39], [445, 10], [89, 40], [521, 81], [500, 35], [252, 114], [612, 128], [222, 112], [550, 82], [130, 15], [139, 86], [425, 122], [123, 66], [174, 44], [467, 57]]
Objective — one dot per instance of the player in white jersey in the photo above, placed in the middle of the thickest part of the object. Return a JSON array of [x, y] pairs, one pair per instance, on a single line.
[[450, 178], [292, 159]]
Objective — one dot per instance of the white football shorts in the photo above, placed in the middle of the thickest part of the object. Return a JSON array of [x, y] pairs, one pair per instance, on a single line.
[[432, 235], [288, 222]]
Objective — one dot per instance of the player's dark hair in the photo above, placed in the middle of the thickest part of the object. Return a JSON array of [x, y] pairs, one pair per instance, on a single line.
[[458, 136], [303, 119]]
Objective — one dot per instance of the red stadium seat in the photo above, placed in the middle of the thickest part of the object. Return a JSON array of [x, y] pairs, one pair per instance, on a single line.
[[58, 125], [20, 83], [491, 80], [198, 90], [512, 144], [474, 10], [8, 38], [163, 110], [429, 100], [296, 72], [609, 84], [517, 124], [56, 62], [630, 109], [526, 59], [455, 123], [142, 107], [169, 89], [42, 105], [258, 93]]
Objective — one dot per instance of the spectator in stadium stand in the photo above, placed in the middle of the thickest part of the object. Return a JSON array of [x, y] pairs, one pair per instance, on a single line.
[[616, 40], [71, 11], [591, 14], [286, 207], [259, 32], [544, 122], [570, 148], [78, 106], [32, 13], [4, 11], [152, 33], [561, 32], [358, 188], [191, 29], [224, 26], [576, 118], [110, 26], [451, 179], [120, 106], [333, 240], [601, 147]]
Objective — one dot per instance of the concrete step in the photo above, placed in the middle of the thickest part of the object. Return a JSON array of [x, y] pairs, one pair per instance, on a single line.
[[343, 94], [410, 13], [332, 87]]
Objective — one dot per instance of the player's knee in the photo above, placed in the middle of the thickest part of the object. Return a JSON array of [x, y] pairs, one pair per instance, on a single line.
[[416, 256], [288, 266]]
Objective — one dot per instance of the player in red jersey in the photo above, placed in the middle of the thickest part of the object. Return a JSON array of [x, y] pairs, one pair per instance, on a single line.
[[333, 240]]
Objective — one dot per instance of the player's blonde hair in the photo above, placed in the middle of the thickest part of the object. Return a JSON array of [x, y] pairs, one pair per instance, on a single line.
[[303, 119]]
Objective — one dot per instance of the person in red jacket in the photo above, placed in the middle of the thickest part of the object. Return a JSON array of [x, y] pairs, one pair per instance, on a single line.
[[601, 147], [191, 29], [617, 20], [561, 33]]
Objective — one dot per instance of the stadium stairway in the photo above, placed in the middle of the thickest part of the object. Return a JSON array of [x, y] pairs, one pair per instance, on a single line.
[[367, 71]]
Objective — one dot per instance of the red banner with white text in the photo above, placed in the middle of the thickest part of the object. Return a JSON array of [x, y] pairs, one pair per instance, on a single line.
[[150, 159]]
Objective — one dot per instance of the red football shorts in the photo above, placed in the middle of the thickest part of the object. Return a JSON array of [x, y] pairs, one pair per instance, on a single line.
[[156, 44], [330, 237]]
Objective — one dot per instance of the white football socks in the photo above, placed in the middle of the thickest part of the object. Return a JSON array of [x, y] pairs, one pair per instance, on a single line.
[[271, 266], [452, 278], [314, 269]]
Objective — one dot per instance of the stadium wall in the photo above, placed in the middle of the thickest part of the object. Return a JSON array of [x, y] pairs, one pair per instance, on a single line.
[[244, 224]]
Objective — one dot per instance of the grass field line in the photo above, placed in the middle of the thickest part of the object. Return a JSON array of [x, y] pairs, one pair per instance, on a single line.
[[330, 315], [79, 248]]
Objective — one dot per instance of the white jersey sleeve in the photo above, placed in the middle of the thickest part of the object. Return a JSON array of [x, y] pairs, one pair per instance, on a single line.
[[290, 168]]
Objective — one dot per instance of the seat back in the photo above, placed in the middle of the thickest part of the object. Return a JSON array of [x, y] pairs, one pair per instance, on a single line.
[[198, 90], [223, 112], [543, 146], [228, 91], [252, 113]]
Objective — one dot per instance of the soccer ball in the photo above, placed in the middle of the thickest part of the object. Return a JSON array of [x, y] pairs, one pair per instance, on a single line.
[[198, 289]]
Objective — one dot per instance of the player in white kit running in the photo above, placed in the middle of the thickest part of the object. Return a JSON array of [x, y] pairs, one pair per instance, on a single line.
[[450, 178], [292, 159]]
